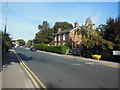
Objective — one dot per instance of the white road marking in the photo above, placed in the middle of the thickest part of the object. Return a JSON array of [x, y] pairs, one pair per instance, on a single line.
[[89, 63], [76, 64]]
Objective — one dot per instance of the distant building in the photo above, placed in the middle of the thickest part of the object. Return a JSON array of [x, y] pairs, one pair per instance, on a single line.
[[16, 43], [68, 37]]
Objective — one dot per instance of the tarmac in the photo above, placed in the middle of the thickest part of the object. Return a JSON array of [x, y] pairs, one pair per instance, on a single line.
[[88, 60], [12, 74]]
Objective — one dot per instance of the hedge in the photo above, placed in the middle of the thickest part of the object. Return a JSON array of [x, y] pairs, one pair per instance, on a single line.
[[62, 49], [40, 46]]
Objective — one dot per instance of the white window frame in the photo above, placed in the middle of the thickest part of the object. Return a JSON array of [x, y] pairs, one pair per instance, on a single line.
[[64, 43], [55, 44], [59, 38], [56, 38], [64, 36]]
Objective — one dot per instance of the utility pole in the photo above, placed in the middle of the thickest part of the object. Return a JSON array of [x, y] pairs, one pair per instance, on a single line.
[[4, 35], [6, 17]]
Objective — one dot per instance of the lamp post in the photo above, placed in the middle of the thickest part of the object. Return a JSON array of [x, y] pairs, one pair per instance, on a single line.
[[6, 17], [4, 43]]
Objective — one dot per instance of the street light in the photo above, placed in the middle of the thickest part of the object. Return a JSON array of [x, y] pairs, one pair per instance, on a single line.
[[6, 17], [4, 49]]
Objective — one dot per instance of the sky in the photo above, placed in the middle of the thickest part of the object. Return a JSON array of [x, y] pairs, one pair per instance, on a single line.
[[24, 17]]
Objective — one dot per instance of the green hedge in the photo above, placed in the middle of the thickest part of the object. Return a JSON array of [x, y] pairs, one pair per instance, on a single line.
[[40, 46], [49, 48], [62, 49]]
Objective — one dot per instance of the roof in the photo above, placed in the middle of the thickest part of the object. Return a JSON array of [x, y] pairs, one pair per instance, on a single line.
[[64, 31]]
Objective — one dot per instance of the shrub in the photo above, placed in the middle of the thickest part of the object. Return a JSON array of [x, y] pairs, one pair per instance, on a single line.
[[49, 48], [106, 55], [40, 46], [37, 46], [62, 49]]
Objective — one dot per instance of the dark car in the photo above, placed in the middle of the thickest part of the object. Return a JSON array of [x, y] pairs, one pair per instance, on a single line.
[[32, 48]]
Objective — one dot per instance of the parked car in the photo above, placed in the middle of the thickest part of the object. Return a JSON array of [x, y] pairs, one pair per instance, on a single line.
[[32, 48]]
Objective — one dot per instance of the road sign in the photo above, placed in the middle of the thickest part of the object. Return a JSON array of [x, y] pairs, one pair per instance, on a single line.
[[116, 52]]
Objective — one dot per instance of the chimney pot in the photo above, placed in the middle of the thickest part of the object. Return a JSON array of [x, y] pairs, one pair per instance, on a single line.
[[76, 24], [59, 30]]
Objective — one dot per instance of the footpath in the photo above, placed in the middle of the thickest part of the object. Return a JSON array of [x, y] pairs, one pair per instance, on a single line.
[[13, 75], [88, 60]]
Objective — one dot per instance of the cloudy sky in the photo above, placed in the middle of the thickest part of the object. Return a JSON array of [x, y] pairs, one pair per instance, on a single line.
[[24, 17]]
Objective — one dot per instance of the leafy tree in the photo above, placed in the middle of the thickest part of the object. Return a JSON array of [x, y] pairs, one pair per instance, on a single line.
[[45, 25], [112, 31], [62, 25], [92, 40], [29, 43], [21, 41], [6, 41], [45, 35]]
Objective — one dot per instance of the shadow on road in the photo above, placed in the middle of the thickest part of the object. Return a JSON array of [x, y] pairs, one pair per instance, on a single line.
[[51, 86], [24, 57]]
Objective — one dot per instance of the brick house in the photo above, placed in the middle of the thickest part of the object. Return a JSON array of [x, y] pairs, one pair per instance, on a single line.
[[68, 37]]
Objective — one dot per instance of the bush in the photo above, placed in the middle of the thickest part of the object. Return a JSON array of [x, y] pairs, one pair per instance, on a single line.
[[37, 46], [108, 56], [62, 49], [49, 48], [40, 46]]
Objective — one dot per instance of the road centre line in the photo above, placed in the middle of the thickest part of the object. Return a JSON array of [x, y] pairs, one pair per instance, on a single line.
[[89, 63], [95, 63], [100, 64], [26, 67], [92, 62]]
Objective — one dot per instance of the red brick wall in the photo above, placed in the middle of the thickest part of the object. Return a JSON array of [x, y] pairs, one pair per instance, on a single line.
[[71, 38], [75, 38]]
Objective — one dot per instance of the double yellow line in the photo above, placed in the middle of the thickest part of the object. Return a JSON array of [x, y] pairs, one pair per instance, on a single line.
[[30, 73]]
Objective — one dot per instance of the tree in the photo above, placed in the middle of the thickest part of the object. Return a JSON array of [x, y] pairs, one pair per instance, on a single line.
[[45, 25], [29, 43], [6, 42], [112, 31], [21, 41], [45, 35], [92, 40], [62, 25]]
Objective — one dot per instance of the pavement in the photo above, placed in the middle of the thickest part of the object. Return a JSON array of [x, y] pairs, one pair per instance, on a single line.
[[0, 68], [0, 81], [89, 60], [13, 75]]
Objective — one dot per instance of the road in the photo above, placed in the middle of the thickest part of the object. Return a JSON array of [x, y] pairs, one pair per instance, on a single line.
[[59, 72]]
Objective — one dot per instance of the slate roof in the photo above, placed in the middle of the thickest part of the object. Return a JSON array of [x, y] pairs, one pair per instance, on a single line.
[[64, 31]]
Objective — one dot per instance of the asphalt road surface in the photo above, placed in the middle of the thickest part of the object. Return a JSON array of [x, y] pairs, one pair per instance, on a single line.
[[58, 72]]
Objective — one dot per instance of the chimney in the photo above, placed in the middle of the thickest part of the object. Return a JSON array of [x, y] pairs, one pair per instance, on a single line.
[[59, 30], [76, 24]]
